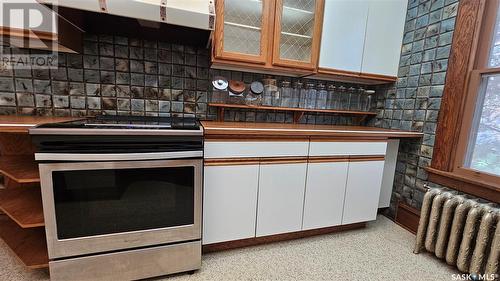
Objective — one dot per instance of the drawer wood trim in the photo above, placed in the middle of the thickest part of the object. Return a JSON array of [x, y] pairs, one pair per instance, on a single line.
[[283, 160], [363, 158], [245, 138], [232, 162], [348, 139], [290, 160], [328, 159]]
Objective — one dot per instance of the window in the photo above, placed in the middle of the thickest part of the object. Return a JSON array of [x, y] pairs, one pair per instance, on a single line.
[[483, 151], [467, 149]]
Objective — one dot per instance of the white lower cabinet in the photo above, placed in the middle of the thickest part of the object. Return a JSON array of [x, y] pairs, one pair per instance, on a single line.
[[364, 181], [281, 198], [324, 197], [229, 202]]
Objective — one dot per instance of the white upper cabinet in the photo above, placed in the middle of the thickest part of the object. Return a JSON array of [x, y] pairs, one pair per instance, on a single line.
[[362, 36], [384, 36], [343, 34]]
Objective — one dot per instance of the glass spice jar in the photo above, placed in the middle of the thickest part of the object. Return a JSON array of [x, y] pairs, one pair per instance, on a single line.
[[356, 96], [344, 97], [303, 96], [270, 92], [297, 86], [367, 105], [311, 95], [322, 96], [331, 102], [286, 94]]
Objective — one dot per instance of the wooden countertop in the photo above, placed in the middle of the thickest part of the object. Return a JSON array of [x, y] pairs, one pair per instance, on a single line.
[[21, 124], [213, 128]]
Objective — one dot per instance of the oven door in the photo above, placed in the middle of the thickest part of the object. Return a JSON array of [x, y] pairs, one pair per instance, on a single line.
[[92, 207]]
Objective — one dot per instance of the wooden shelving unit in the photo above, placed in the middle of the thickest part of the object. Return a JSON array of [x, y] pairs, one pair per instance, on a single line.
[[22, 223], [29, 245], [20, 168], [23, 205], [297, 112]]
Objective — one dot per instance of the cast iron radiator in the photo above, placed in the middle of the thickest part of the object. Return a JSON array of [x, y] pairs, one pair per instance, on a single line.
[[460, 230]]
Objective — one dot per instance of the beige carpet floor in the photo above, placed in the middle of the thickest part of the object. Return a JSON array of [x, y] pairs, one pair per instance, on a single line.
[[381, 251]]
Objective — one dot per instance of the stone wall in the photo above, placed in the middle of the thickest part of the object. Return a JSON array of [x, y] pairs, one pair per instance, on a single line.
[[413, 102]]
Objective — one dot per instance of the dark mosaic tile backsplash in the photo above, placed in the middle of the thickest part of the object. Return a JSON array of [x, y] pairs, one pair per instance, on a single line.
[[128, 76], [114, 75]]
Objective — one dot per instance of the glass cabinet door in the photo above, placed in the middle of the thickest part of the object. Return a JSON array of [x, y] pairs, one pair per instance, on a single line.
[[297, 30], [242, 30]]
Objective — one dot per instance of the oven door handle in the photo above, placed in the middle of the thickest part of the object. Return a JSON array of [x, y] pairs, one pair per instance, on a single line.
[[42, 156]]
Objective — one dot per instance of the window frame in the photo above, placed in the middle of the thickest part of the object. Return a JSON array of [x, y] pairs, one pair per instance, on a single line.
[[468, 62]]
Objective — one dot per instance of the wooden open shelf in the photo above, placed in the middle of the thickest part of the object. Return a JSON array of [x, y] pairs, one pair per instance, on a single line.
[[297, 112], [29, 245], [23, 205], [20, 168]]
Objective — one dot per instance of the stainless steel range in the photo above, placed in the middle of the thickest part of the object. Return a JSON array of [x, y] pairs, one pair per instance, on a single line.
[[121, 196]]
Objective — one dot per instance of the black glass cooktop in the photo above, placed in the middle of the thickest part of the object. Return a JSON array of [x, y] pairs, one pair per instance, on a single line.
[[129, 122]]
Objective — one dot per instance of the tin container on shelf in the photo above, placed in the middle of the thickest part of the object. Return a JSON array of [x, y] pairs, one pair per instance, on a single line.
[[310, 95], [271, 93], [322, 96], [286, 94], [219, 93], [254, 95], [236, 92]]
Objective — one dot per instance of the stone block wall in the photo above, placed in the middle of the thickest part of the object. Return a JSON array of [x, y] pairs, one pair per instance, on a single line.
[[413, 102]]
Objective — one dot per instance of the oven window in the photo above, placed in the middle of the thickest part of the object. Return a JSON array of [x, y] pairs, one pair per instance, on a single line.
[[95, 202]]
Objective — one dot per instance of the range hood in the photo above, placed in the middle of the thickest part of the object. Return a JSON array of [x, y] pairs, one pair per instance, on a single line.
[[198, 14]]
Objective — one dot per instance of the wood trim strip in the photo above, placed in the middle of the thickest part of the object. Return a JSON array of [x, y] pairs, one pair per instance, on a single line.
[[407, 217], [378, 77], [455, 89], [464, 184], [290, 160], [363, 158], [245, 138], [328, 159], [283, 160], [332, 71], [360, 75], [348, 139], [231, 162], [278, 237]]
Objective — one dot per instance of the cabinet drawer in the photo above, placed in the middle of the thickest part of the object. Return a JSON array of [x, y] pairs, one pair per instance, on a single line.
[[326, 148], [225, 149]]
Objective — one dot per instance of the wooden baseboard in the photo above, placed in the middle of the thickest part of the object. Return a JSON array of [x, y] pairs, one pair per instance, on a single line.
[[407, 217], [278, 237]]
